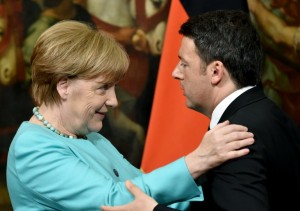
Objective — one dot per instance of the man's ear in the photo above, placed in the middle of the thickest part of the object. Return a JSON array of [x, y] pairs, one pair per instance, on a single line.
[[62, 88], [217, 72]]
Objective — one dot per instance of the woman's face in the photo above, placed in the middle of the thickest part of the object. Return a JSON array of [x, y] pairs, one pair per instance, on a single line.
[[85, 104]]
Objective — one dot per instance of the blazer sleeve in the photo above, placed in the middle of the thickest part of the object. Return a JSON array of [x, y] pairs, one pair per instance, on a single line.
[[56, 178]]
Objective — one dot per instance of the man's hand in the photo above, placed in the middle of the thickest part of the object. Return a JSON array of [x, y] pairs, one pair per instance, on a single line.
[[141, 202]]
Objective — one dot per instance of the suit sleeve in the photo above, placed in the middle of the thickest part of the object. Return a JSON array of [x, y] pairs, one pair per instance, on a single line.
[[160, 207]]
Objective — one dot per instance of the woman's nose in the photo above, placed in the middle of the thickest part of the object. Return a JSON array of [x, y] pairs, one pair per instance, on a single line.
[[112, 100]]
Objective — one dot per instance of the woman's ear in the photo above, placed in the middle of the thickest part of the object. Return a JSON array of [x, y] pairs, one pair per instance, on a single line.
[[217, 72], [62, 88]]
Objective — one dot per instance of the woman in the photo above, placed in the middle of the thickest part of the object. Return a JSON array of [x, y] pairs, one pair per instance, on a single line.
[[59, 161]]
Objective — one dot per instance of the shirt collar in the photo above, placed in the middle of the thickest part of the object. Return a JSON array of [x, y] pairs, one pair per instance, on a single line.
[[221, 107]]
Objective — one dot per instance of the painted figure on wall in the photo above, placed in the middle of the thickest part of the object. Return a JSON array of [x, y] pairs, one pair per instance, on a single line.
[[51, 12], [13, 96], [279, 24], [11, 62], [11, 71]]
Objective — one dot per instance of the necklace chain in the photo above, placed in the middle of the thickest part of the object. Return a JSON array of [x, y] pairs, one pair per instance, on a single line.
[[47, 124]]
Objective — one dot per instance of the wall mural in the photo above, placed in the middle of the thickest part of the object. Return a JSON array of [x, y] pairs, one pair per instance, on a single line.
[[139, 25], [278, 21]]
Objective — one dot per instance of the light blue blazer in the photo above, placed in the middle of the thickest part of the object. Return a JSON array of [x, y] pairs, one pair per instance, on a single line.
[[46, 171]]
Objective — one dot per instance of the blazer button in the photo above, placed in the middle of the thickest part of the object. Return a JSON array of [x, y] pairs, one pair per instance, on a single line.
[[116, 172]]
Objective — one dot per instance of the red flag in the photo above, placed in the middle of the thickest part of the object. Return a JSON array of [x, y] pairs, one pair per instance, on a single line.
[[174, 130]]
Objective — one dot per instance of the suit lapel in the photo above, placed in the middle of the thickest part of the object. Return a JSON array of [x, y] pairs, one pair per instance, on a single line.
[[250, 96]]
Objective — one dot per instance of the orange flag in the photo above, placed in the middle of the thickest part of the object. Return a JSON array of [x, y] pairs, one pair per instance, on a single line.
[[174, 130]]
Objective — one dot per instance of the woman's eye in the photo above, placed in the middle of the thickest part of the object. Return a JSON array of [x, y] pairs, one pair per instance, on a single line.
[[104, 87]]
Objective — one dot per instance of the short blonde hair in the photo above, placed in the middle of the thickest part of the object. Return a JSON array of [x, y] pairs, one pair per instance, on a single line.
[[72, 49]]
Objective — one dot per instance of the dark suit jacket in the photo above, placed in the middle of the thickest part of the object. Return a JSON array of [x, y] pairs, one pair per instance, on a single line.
[[269, 177], [160, 207]]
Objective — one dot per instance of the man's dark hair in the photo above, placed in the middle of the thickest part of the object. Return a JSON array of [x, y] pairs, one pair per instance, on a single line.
[[230, 37]]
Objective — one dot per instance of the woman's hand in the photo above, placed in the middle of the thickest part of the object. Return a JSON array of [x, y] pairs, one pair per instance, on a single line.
[[141, 202], [225, 141]]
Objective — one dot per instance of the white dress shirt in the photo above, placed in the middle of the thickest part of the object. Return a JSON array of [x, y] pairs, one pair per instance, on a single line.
[[221, 107]]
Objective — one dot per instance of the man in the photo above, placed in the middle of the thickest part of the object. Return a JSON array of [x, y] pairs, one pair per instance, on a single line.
[[219, 71]]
